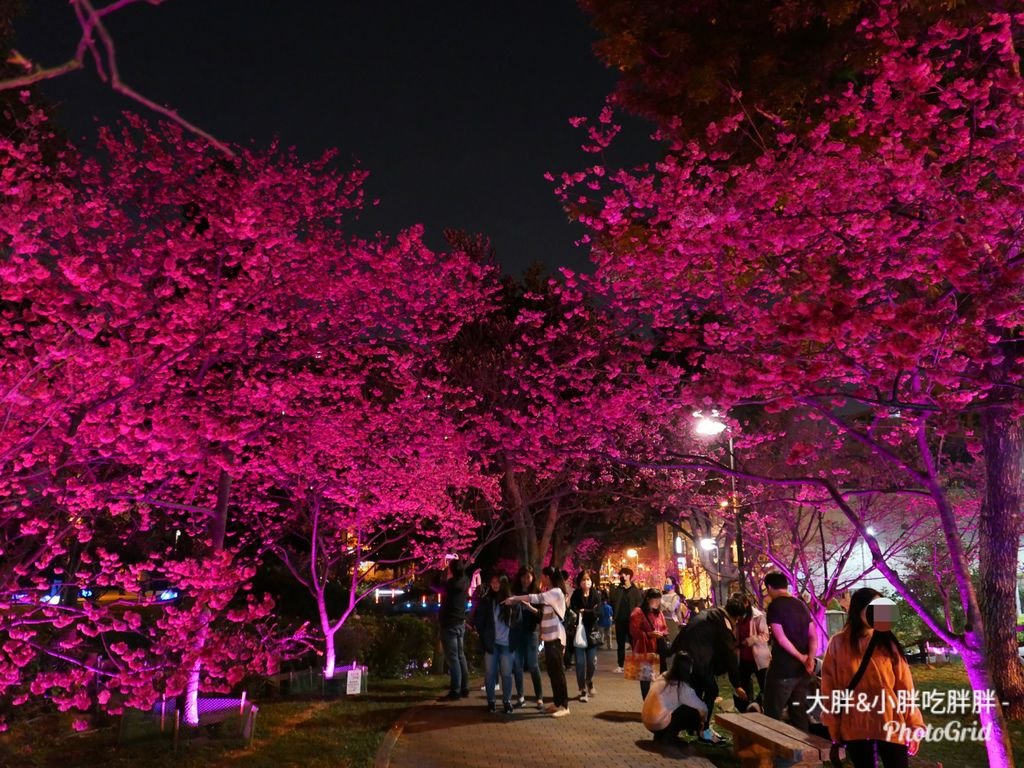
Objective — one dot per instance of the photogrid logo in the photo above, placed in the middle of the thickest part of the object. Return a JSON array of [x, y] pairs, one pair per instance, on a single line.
[[954, 730]]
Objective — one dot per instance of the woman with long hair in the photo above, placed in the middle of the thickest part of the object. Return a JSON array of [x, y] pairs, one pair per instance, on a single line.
[[586, 601], [524, 640], [672, 706], [493, 620], [551, 598], [646, 628], [866, 649]]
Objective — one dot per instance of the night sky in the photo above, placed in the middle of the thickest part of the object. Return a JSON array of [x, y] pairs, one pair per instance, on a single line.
[[456, 108]]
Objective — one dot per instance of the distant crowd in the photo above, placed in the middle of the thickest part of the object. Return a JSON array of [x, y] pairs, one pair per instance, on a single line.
[[677, 650]]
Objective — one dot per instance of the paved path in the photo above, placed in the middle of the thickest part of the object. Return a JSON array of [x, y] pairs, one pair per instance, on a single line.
[[604, 732]]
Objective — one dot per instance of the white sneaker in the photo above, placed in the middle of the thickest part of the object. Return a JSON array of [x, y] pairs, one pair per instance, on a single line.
[[618, 670], [540, 704], [591, 692], [560, 712], [583, 697]]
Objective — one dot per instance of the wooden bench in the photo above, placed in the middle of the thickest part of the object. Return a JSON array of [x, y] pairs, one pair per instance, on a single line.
[[764, 742]]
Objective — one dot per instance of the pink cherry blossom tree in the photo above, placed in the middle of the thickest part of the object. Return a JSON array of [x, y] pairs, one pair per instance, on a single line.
[[164, 314], [863, 268]]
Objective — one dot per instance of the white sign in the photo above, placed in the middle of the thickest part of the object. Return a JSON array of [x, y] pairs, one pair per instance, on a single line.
[[354, 682]]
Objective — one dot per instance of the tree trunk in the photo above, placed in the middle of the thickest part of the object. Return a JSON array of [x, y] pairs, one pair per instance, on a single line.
[[997, 738], [547, 537], [330, 657], [522, 519], [217, 530], [1003, 445], [192, 691], [820, 620]]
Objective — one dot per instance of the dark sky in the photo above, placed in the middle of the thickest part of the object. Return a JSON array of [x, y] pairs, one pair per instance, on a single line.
[[455, 108]]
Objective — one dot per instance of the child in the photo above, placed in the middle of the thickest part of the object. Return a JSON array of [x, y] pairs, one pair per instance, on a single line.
[[604, 621]]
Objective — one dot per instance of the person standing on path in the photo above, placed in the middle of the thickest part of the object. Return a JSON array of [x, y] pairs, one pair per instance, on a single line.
[[795, 641], [752, 635], [607, 615], [869, 733], [552, 632], [452, 618], [524, 640], [671, 607], [648, 632], [626, 599], [586, 601], [492, 621]]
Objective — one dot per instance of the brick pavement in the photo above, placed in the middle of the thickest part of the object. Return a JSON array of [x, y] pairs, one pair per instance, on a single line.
[[604, 732]]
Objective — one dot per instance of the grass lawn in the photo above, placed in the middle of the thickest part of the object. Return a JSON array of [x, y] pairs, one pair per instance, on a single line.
[[342, 733], [953, 754]]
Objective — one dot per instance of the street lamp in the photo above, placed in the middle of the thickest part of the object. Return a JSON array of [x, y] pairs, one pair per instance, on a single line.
[[712, 426], [632, 554]]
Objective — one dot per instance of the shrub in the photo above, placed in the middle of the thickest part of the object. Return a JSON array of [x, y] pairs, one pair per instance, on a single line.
[[388, 645]]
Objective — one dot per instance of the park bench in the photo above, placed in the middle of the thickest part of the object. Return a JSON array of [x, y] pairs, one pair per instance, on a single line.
[[764, 742]]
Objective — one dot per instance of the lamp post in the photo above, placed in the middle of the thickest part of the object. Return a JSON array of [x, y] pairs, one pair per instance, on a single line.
[[710, 426]]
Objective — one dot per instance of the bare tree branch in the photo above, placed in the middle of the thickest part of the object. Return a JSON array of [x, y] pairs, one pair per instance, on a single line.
[[91, 21]]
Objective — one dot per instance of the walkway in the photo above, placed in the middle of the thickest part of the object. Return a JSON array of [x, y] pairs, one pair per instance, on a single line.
[[604, 732]]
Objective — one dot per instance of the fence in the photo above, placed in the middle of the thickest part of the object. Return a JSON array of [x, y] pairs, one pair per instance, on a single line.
[[233, 718]]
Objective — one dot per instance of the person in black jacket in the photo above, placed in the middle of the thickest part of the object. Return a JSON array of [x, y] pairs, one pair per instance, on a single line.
[[709, 640], [586, 601], [452, 618], [493, 622], [624, 600], [525, 639]]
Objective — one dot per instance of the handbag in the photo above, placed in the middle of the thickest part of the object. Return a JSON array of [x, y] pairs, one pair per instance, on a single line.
[[581, 634], [640, 666]]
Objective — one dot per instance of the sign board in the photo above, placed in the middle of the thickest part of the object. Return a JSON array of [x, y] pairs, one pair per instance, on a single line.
[[354, 681]]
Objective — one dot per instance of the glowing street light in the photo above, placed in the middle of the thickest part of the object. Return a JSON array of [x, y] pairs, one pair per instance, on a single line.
[[632, 554], [708, 426], [708, 544], [712, 426]]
